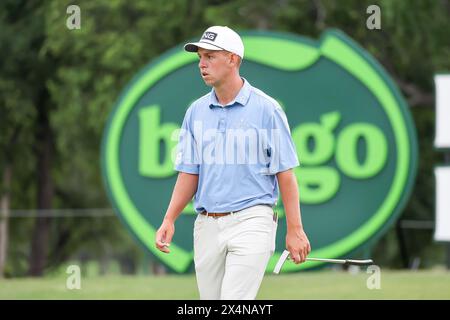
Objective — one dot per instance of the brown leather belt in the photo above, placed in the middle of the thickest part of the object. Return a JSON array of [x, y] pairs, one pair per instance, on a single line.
[[219, 214], [215, 215], [222, 214]]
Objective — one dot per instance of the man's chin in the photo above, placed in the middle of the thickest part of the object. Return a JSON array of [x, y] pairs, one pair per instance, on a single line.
[[208, 83]]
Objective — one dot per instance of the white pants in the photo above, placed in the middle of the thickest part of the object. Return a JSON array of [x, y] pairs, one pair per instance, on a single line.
[[231, 252]]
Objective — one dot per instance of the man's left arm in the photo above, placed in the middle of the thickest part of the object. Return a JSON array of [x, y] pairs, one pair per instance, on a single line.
[[297, 242]]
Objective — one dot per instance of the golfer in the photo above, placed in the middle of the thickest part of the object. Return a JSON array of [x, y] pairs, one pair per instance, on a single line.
[[234, 154]]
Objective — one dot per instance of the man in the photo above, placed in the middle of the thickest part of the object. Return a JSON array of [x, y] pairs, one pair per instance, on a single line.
[[234, 232]]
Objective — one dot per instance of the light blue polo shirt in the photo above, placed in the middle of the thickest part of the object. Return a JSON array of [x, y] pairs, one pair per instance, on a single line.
[[236, 150]]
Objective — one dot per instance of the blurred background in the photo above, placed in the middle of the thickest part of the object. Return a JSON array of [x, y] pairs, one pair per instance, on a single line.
[[57, 87]]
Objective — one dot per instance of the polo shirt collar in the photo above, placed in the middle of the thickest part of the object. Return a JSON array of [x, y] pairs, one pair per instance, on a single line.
[[241, 98]]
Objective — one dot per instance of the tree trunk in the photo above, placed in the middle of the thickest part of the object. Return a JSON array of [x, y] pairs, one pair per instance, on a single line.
[[41, 232], [4, 216]]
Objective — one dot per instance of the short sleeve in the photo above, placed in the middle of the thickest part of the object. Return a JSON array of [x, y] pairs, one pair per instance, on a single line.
[[186, 152], [282, 153]]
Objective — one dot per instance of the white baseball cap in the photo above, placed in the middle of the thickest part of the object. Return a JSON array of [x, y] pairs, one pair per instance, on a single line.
[[218, 38]]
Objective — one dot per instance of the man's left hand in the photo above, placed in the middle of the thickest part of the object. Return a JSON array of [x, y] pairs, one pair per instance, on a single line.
[[297, 244]]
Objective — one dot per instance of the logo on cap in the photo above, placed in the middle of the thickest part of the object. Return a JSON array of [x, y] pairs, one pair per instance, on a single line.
[[209, 36]]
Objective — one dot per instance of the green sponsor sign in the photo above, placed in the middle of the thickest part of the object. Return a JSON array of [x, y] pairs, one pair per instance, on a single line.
[[352, 129]]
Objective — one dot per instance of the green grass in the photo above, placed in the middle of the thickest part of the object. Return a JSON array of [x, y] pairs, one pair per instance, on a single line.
[[300, 286]]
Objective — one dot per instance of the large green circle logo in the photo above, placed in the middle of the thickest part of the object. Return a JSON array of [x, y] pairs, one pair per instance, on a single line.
[[353, 133]]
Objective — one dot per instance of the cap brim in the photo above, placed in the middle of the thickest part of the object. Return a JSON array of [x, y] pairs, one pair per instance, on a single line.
[[193, 46]]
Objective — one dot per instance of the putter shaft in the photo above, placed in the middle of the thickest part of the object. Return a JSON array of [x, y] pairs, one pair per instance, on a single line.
[[285, 255]]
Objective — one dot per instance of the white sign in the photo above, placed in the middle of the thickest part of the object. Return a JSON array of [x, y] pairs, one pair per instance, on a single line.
[[442, 83], [442, 174], [442, 230]]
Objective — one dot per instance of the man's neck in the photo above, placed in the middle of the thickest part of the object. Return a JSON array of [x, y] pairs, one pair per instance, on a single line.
[[228, 90]]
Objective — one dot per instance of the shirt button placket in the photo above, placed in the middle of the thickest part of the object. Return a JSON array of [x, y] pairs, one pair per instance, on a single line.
[[223, 121]]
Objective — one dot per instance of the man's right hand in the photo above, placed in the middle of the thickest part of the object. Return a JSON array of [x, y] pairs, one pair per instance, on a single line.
[[164, 236]]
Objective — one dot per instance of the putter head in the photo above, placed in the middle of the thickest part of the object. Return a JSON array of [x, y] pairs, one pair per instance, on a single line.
[[284, 256]]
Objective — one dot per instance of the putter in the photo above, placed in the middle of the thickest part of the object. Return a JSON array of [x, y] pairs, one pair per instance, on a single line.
[[285, 255]]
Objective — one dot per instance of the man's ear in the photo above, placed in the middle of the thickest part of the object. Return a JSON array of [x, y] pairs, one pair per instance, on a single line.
[[234, 59]]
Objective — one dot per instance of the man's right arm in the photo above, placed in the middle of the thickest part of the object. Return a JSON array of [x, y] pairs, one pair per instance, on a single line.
[[184, 190]]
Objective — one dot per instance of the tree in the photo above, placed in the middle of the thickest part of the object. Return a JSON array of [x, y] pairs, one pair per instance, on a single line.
[[71, 78], [15, 123]]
